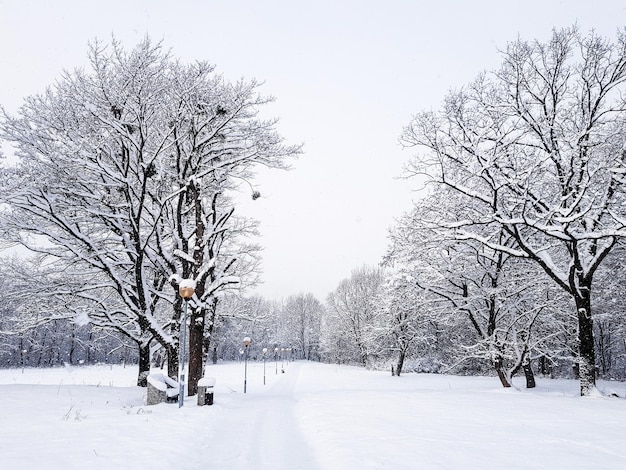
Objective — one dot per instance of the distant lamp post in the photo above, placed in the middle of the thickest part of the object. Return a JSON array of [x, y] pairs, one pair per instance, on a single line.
[[186, 289], [264, 352], [246, 343], [276, 359]]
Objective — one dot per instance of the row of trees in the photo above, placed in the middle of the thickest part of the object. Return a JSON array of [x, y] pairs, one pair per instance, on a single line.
[[424, 318], [292, 325]]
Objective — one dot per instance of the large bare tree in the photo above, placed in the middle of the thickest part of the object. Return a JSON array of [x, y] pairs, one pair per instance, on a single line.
[[122, 183], [536, 149]]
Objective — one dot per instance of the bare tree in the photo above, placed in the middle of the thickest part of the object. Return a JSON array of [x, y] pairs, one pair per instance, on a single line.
[[302, 315], [352, 313], [492, 297], [537, 150], [218, 141], [122, 184], [404, 307]]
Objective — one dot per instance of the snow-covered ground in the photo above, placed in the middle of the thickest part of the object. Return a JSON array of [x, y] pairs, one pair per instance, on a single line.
[[313, 416]]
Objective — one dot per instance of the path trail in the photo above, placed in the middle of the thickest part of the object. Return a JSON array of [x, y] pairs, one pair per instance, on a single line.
[[267, 436]]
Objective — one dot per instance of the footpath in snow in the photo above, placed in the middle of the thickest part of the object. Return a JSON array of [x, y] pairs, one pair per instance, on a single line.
[[264, 431]]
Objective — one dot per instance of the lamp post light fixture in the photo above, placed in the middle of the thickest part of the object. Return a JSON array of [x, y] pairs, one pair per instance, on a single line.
[[246, 343], [186, 288], [264, 352]]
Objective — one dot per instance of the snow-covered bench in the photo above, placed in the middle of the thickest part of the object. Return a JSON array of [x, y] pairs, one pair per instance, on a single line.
[[161, 388]]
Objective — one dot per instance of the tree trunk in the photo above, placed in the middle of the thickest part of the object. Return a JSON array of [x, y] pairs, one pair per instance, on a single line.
[[196, 336], [89, 346], [200, 343], [586, 351], [209, 325], [544, 366], [72, 350], [144, 364], [528, 373], [503, 375], [400, 362], [172, 361]]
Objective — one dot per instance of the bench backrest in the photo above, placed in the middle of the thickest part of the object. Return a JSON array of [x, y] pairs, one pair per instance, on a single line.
[[161, 381]]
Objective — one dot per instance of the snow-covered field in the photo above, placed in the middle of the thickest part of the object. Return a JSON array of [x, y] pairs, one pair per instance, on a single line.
[[314, 416]]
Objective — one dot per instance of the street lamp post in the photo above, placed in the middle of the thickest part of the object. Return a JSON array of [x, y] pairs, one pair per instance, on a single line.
[[276, 359], [186, 289], [264, 351], [246, 343]]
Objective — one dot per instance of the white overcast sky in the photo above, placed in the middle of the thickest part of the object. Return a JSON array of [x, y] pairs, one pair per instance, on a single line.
[[347, 75]]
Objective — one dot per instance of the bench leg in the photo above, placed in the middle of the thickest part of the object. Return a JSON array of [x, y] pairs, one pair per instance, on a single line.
[[155, 396]]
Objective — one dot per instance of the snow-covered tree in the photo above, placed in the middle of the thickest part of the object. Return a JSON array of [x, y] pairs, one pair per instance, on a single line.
[[238, 317], [352, 316], [302, 314], [489, 302], [122, 184], [404, 309], [40, 326], [536, 149], [218, 141]]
